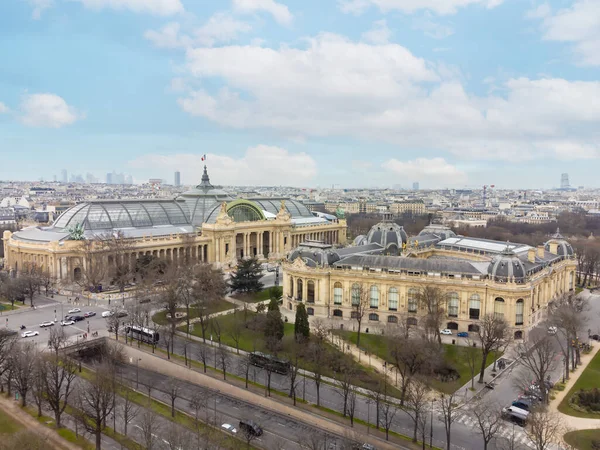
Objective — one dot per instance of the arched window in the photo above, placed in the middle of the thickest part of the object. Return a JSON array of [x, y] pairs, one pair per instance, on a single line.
[[77, 274], [474, 307], [337, 293], [355, 294], [518, 334], [374, 297], [452, 326], [412, 322], [412, 299], [337, 313], [499, 307], [520, 306], [374, 317], [310, 311], [392, 319], [453, 304], [310, 291], [354, 314], [474, 328], [393, 299], [291, 286], [299, 290]]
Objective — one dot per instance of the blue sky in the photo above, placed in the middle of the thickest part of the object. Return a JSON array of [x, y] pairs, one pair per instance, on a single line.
[[307, 93]]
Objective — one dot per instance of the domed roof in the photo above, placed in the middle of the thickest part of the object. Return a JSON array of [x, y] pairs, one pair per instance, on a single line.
[[389, 235], [314, 258], [204, 201], [442, 231], [563, 246], [507, 267]]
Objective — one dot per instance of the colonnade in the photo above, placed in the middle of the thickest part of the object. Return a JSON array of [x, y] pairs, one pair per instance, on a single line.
[[328, 237]]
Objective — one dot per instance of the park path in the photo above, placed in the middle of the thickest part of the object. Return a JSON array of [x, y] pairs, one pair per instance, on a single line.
[[571, 422]]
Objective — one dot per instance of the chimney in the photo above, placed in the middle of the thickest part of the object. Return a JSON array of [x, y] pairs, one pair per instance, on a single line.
[[540, 251], [554, 248], [531, 255]]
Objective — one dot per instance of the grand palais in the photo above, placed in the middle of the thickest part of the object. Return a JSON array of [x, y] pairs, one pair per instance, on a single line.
[[205, 224], [477, 277]]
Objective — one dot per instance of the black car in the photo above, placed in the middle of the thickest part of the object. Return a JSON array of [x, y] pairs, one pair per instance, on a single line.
[[251, 427], [595, 337], [77, 318]]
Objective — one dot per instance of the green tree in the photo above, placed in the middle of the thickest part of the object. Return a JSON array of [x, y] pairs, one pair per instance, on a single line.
[[273, 305], [301, 326], [274, 327], [246, 277]]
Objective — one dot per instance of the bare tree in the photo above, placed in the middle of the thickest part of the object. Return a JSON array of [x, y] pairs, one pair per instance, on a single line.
[[318, 355], [248, 436], [244, 366], [203, 355], [314, 441], [360, 305], [176, 437], [23, 361], [30, 276], [209, 287], [7, 344], [344, 379], [493, 334], [171, 300], [150, 429], [469, 355], [411, 357], [352, 396], [114, 323], [416, 402], [129, 410], [545, 428], [449, 414], [388, 412], [93, 265], [293, 357], [432, 299], [59, 378], [223, 358], [236, 329], [173, 390], [199, 401], [538, 356], [37, 383], [117, 249], [488, 419], [167, 338]]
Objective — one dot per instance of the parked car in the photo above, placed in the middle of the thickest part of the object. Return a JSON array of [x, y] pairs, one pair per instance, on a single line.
[[595, 337], [74, 310], [515, 415], [29, 334], [89, 314], [251, 427], [462, 334], [47, 323], [107, 313], [552, 330], [446, 331], [523, 403], [64, 323], [122, 314], [78, 318], [229, 428], [145, 300]]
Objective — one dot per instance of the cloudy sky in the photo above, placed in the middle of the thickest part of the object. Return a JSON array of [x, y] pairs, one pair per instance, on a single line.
[[303, 92]]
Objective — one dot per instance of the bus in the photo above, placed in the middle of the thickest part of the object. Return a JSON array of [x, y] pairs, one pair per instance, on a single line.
[[269, 362], [142, 334]]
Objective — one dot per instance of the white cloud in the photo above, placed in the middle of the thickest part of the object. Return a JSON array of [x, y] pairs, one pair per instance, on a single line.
[[280, 12], [539, 12], [431, 28], [579, 24], [39, 6], [155, 7], [434, 171], [47, 110], [168, 36], [3, 108], [410, 6], [361, 165], [338, 87], [379, 34], [260, 165]]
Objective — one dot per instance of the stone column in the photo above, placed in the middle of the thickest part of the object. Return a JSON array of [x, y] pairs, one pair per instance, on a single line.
[[304, 290]]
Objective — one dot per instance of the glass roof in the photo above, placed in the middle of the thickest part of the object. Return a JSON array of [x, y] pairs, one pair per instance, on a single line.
[[272, 205]]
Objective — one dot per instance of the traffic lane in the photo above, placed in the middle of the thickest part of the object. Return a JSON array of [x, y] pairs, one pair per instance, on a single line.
[[219, 407]]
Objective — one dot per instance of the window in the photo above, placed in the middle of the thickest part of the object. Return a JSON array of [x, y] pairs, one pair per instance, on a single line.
[[453, 304], [310, 311], [310, 291], [299, 293], [354, 314], [412, 299], [499, 307], [518, 335], [452, 326], [374, 297], [519, 312], [226, 249], [474, 328], [291, 286], [337, 293], [393, 299], [337, 313], [355, 294], [374, 317], [411, 322], [392, 319], [474, 307]]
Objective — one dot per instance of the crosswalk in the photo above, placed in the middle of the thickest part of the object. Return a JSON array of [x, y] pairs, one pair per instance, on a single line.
[[506, 432]]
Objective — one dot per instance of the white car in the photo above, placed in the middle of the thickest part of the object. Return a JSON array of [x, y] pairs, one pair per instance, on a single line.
[[107, 313], [64, 323], [552, 330], [30, 334], [47, 323], [446, 331], [74, 310], [229, 428]]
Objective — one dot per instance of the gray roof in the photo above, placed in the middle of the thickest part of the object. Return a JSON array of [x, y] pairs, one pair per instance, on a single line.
[[272, 205], [411, 264]]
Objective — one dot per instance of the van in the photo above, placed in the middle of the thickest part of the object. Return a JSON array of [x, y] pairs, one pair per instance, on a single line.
[[251, 427], [516, 415]]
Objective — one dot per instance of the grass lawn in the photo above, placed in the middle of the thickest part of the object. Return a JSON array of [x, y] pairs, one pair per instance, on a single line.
[[376, 344], [7, 424], [253, 340], [218, 306], [590, 378], [253, 297], [582, 439]]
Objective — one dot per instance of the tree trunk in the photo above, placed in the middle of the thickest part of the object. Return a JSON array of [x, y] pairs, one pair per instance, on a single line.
[[358, 335], [57, 419], [416, 428], [318, 395], [173, 407], [483, 360], [98, 440]]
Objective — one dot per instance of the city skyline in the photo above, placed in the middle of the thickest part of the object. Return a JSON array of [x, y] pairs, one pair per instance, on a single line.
[[353, 93]]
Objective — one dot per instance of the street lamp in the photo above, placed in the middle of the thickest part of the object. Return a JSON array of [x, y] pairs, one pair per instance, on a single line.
[[431, 425], [88, 327], [137, 372]]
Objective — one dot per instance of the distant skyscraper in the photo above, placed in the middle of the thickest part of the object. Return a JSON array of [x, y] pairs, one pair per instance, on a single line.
[[64, 177], [177, 178], [129, 179], [564, 181], [109, 178], [416, 186]]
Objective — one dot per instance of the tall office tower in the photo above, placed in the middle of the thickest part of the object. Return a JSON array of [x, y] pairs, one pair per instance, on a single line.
[[129, 179], [416, 186], [109, 178], [65, 179], [564, 181], [177, 178], [118, 178]]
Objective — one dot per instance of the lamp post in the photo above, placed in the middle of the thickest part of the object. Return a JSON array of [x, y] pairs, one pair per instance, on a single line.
[[431, 425], [368, 416], [137, 372]]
